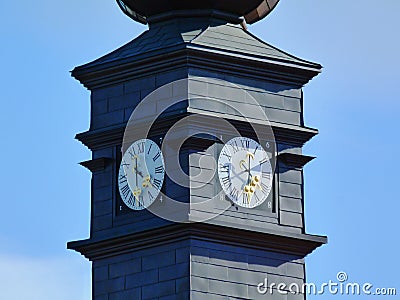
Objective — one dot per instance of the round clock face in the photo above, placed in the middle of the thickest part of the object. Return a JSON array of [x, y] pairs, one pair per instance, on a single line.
[[245, 172], [141, 174]]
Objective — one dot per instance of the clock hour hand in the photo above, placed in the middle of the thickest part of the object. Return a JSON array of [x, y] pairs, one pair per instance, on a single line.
[[242, 163], [248, 178], [251, 186], [136, 172], [135, 169], [139, 173], [248, 169]]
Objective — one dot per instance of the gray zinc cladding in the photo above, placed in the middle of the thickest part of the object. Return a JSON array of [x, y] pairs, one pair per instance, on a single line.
[[135, 256], [202, 34]]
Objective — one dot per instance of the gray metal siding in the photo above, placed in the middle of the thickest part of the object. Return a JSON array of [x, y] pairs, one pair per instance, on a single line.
[[283, 106], [161, 271], [113, 105], [232, 272]]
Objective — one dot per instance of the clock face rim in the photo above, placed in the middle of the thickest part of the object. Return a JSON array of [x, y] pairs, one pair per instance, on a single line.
[[148, 154], [240, 141]]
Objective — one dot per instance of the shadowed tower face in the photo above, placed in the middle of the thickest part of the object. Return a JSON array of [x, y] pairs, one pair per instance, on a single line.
[[252, 10], [196, 134]]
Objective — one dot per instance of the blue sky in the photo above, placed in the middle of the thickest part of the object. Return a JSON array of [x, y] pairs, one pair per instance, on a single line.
[[351, 188]]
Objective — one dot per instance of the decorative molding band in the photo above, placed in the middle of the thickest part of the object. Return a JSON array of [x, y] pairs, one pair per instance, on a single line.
[[112, 136], [98, 164], [185, 56], [293, 134], [293, 244], [295, 160], [96, 139]]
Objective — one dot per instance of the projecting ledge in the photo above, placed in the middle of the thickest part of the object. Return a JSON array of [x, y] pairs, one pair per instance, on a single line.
[[295, 160], [288, 243], [98, 164]]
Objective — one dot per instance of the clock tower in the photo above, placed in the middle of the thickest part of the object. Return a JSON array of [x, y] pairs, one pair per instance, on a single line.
[[196, 134]]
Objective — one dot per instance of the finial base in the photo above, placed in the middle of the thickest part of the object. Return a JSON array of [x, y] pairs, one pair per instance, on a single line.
[[143, 10]]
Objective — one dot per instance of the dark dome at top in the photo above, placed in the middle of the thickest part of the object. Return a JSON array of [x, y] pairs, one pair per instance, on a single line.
[[251, 10]]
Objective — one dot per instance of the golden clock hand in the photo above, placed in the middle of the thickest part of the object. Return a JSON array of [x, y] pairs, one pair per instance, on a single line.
[[256, 182], [249, 191], [249, 175], [249, 154], [147, 181], [137, 192], [241, 163]]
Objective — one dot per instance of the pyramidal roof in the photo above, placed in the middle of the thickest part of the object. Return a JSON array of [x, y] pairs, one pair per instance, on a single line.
[[219, 37]]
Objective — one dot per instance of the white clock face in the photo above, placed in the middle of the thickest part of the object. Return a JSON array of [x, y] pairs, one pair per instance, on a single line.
[[141, 174], [245, 172]]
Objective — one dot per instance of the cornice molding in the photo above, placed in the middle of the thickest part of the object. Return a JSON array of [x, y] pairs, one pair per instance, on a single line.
[[293, 244], [96, 165], [113, 136], [180, 56], [295, 160], [102, 138]]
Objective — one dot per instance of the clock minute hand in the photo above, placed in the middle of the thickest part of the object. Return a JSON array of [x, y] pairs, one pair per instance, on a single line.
[[248, 180], [250, 156], [249, 189], [136, 172]]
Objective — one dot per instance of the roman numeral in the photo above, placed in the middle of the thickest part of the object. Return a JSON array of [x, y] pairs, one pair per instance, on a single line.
[[226, 181], [157, 183], [224, 153], [140, 147], [132, 153], [234, 194], [266, 188], [151, 197], [148, 151], [140, 201], [264, 160], [246, 198], [224, 168], [235, 146], [159, 169], [122, 179], [267, 176], [124, 163], [245, 144], [255, 150], [257, 199], [130, 200], [157, 156], [125, 190]]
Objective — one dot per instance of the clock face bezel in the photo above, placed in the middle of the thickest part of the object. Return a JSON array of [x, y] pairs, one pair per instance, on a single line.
[[246, 187], [140, 175]]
